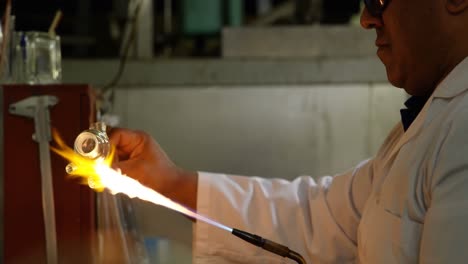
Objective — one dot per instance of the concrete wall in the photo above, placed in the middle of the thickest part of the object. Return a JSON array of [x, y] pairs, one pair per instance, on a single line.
[[308, 42], [271, 131]]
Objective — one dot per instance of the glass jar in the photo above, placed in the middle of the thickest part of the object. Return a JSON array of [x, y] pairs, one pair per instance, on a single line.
[[36, 58]]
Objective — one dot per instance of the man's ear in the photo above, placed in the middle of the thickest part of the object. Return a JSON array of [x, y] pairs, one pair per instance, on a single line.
[[456, 6]]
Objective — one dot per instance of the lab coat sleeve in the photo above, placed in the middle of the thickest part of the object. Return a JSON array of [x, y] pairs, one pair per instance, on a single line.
[[318, 219], [445, 233]]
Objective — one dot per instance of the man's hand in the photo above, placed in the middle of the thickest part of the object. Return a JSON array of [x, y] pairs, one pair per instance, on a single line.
[[140, 157]]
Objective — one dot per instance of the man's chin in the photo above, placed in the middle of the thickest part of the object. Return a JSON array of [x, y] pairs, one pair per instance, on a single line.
[[409, 89], [395, 80]]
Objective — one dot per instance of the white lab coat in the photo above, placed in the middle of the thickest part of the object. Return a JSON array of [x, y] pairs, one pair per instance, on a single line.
[[409, 204]]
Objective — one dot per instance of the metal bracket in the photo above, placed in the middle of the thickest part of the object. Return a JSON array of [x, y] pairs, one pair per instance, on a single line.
[[37, 108]]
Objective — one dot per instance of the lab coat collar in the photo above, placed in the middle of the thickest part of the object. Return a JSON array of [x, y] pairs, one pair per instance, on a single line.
[[455, 83]]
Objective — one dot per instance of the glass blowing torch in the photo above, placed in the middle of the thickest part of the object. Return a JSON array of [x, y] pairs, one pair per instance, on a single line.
[[269, 245]]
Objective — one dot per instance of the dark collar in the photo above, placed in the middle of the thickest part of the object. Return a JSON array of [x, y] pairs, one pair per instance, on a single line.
[[413, 106]]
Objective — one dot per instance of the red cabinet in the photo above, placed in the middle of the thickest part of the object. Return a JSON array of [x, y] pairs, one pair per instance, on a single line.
[[23, 224]]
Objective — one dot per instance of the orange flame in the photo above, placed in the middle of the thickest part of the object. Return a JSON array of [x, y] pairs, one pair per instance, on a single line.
[[98, 175], [83, 168]]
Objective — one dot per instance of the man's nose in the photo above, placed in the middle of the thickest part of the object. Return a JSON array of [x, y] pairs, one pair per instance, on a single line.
[[369, 21]]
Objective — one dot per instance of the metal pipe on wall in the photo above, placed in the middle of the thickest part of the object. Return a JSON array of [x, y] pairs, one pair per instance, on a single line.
[[167, 16], [145, 34]]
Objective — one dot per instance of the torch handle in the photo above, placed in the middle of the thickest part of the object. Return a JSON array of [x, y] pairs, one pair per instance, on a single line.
[[269, 245]]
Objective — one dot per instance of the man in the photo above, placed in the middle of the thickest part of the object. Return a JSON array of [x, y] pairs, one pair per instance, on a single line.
[[408, 204]]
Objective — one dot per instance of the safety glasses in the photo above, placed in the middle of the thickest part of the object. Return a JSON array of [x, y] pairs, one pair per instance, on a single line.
[[376, 7]]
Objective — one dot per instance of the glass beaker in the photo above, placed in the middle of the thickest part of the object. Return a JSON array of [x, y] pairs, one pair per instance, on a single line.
[[36, 58]]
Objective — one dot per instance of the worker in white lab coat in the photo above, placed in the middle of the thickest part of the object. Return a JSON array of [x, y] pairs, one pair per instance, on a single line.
[[408, 204]]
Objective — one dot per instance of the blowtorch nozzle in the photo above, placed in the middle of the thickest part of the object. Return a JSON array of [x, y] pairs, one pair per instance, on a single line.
[[269, 245]]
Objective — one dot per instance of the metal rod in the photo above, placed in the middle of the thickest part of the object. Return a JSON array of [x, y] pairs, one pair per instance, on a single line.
[[37, 108], [42, 122]]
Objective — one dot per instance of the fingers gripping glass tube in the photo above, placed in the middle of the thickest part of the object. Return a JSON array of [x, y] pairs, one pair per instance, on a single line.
[[92, 144]]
